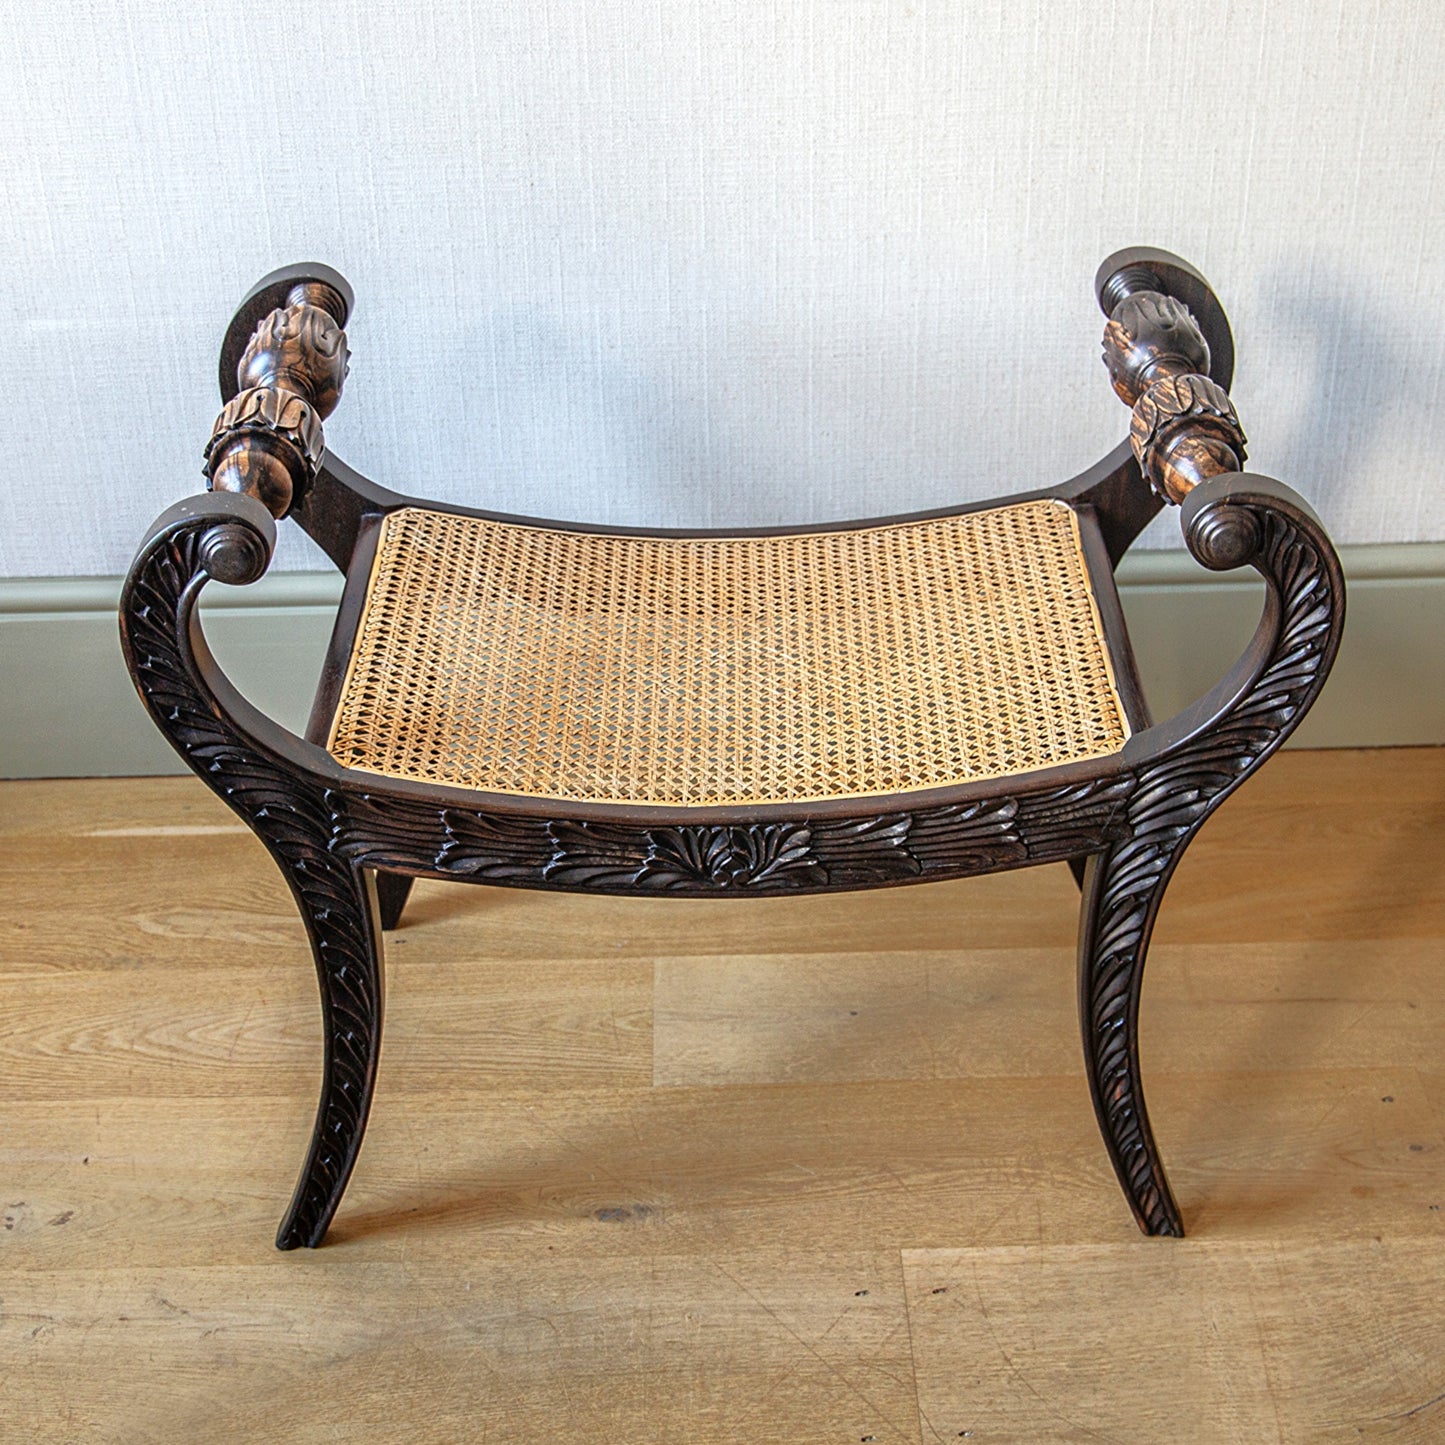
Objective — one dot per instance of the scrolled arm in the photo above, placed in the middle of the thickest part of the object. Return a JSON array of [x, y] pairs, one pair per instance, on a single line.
[[226, 537], [1242, 519], [267, 442], [1170, 356]]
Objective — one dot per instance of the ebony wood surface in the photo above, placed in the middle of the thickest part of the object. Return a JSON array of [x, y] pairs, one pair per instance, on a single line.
[[267, 442]]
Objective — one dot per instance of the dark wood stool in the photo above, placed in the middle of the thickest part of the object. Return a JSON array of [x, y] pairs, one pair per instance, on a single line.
[[543, 705]]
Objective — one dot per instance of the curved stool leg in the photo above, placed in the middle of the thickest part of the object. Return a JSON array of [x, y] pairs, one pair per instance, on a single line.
[[339, 905], [392, 891], [1122, 888], [265, 776]]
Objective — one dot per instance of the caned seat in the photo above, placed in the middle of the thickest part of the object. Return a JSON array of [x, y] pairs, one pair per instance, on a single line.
[[743, 670], [537, 704]]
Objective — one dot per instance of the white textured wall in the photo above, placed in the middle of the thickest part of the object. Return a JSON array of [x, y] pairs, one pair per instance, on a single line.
[[712, 263]]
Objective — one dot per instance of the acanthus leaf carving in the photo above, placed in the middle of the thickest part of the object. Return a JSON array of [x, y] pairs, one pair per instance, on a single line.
[[1071, 821], [968, 837], [859, 852], [1170, 798], [686, 857], [384, 830], [594, 855], [291, 816]]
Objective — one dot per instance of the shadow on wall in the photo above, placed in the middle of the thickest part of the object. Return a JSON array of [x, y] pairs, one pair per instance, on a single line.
[[1354, 378], [757, 423], [590, 422]]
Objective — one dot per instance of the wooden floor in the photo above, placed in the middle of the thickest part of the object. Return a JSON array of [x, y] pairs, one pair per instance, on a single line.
[[781, 1170]]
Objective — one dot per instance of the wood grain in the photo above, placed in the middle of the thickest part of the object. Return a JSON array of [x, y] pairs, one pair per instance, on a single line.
[[1271, 1340], [534, 1174], [965, 1013], [633, 1161], [758, 1346]]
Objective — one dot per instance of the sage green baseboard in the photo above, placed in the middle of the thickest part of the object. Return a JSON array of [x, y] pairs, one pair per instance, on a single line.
[[67, 708]]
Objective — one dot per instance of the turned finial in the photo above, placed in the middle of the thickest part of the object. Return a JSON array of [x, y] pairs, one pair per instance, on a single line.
[[1184, 427], [267, 442]]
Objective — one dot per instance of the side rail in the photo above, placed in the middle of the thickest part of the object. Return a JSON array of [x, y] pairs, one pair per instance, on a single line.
[[1191, 449], [282, 369]]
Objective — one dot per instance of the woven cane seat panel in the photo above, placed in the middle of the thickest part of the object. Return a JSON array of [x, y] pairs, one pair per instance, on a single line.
[[727, 670]]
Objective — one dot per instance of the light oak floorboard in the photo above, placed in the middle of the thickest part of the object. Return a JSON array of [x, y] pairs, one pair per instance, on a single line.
[[766, 1345], [202, 1181], [662, 1168], [1280, 1340]]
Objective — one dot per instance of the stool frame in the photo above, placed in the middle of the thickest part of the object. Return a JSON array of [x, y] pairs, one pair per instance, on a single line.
[[349, 843]]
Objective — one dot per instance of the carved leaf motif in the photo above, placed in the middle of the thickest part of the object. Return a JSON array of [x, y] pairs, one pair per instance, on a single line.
[[595, 855], [968, 837], [780, 855], [679, 856], [765, 855], [386, 831], [1171, 798], [270, 409], [300, 349], [480, 845], [293, 819], [1069, 822], [383, 831], [861, 851]]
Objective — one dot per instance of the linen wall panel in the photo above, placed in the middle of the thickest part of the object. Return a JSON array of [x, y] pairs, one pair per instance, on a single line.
[[712, 264]]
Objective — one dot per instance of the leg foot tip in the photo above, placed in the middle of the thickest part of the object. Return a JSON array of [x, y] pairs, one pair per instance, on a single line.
[[292, 1237], [1166, 1228]]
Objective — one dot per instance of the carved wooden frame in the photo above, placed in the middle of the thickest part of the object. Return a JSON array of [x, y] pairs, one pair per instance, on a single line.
[[349, 843]]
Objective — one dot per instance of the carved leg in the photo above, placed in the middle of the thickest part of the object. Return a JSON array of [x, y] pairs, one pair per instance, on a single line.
[[1122, 889], [392, 891], [339, 904], [265, 775]]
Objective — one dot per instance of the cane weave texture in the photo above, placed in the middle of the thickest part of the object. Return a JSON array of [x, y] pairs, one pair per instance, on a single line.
[[727, 670]]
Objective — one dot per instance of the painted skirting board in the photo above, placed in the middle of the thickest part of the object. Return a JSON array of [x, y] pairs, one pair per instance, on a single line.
[[67, 708]]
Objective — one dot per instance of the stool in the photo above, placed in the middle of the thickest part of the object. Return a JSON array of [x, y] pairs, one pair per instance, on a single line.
[[757, 711]]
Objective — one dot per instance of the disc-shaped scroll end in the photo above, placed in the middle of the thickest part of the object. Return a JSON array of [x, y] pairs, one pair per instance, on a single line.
[[1223, 535]]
